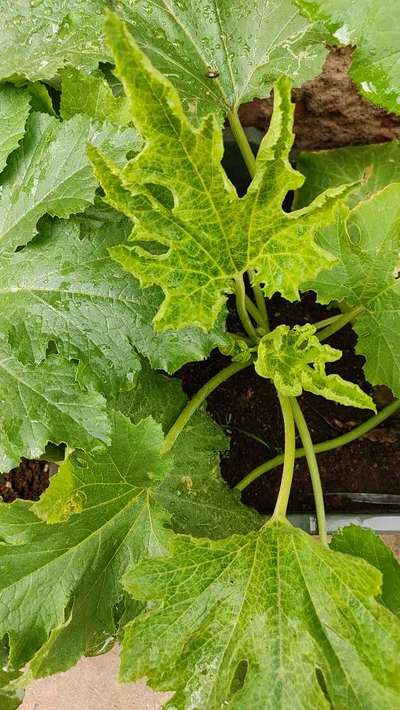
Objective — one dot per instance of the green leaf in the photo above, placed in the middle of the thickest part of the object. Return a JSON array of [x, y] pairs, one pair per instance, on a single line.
[[210, 237], [194, 492], [9, 699], [295, 360], [14, 110], [42, 403], [369, 26], [373, 166], [91, 95], [51, 174], [37, 38], [267, 620], [59, 586], [65, 288], [248, 46], [368, 245], [364, 543]]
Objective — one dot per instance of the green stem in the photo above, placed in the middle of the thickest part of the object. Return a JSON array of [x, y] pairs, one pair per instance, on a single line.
[[198, 400], [261, 304], [240, 137], [340, 322], [288, 463], [242, 310], [312, 467], [342, 440], [327, 321], [254, 312]]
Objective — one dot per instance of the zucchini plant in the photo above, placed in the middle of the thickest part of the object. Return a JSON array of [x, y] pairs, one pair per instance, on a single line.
[[121, 240]]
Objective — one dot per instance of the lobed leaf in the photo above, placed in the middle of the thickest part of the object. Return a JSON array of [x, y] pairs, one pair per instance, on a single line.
[[370, 27], [14, 111], [104, 518], [178, 195], [295, 360], [270, 619], [50, 174], [367, 274], [43, 403]]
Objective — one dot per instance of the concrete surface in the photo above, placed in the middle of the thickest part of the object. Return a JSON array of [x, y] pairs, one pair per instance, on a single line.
[[91, 685]]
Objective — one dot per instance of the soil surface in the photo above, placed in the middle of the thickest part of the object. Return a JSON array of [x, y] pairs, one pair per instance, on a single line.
[[27, 481], [329, 110], [247, 407]]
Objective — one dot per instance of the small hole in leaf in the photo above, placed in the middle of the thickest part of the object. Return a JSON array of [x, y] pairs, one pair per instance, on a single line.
[[321, 682], [239, 677]]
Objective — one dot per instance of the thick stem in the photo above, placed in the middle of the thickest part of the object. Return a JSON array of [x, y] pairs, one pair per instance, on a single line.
[[242, 310], [261, 304], [254, 312], [198, 400], [340, 322], [305, 437], [327, 321], [320, 448], [288, 463], [240, 137]]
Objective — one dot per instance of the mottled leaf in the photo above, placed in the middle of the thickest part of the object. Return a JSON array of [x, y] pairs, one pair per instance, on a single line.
[[364, 543], [209, 236], [267, 620], [41, 403], [91, 95], [60, 585], [14, 110], [295, 360], [371, 26], [367, 274]]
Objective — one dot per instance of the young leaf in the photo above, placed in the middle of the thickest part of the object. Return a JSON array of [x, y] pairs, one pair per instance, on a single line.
[[75, 565], [194, 492], [91, 95], [370, 27], [222, 54], [51, 174], [42, 403], [364, 543], [372, 166], [14, 110], [267, 620], [209, 236], [368, 245], [295, 360], [37, 38], [65, 288]]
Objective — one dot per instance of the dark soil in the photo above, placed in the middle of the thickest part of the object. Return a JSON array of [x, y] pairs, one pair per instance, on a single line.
[[27, 481], [329, 110], [247, 407]]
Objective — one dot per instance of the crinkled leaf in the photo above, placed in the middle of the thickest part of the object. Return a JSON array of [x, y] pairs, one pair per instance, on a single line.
[[371, 26], [51, 174], [59, 585], [368, 246], [41, 403], [65, 288], [38, 37], [210, 235], [194, 492], [295, 360], [14, 110], [374, 166], [91, 95], [220, 54], [267, 620], [364, 543]]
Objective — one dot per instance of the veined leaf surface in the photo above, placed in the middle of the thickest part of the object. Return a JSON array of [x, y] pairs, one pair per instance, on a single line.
[[14, 110]]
